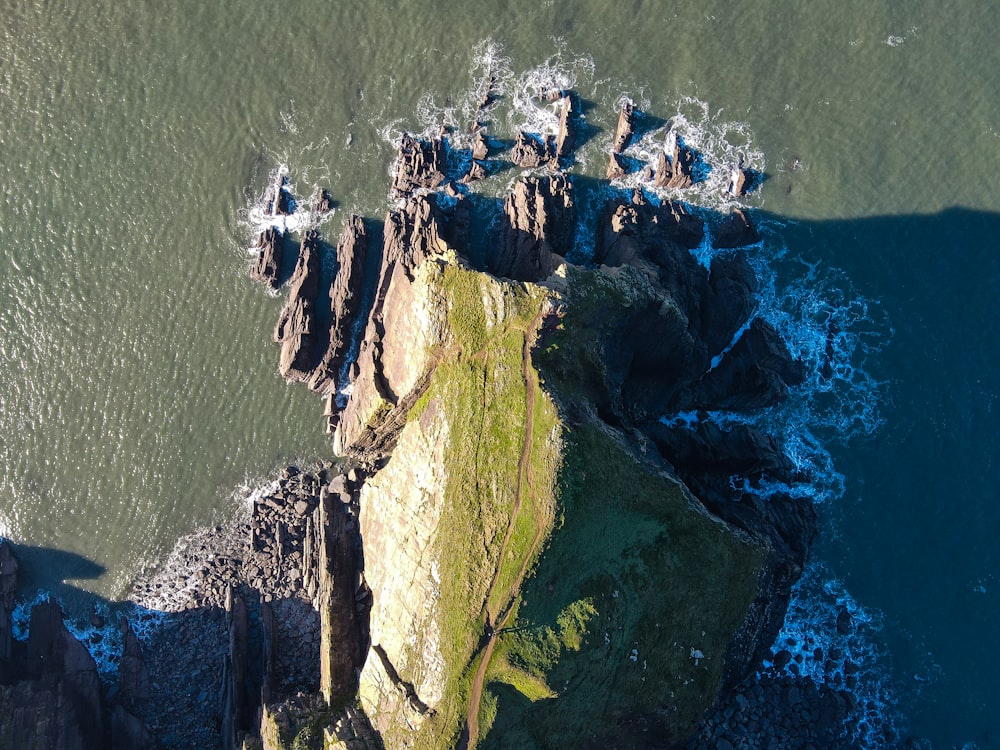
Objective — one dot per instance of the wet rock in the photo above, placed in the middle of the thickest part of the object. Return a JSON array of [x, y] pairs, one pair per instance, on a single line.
[[616, 167], [476, 172], [480, 147], [322, 202], [844, 622], [675, 170], [565, 137], [279, 199]]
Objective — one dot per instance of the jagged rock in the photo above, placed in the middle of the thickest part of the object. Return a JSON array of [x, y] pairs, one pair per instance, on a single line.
[[279, 200], [266, 267], [529, 151], [476, 172], [128, 732], [537, 231], [8, 588], [675, 171], [235, 701], [323, 202], [419, 164], [565, 138], [480, 147], [616, 167], [341, 648], [740, 180], [296, 328], [133, 677], [625, 127], [401, 326], [345, 302], [736, 230]]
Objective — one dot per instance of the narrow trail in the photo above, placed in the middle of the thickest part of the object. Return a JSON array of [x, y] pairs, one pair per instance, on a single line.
[[495, 623]]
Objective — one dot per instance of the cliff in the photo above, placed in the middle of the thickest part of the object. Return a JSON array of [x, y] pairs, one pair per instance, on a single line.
[[515, 548]]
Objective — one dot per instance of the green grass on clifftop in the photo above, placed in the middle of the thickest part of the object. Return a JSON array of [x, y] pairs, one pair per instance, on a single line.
[[632, 581]]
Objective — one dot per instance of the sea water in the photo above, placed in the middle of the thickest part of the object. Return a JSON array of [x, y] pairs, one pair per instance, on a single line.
[[139, 382]]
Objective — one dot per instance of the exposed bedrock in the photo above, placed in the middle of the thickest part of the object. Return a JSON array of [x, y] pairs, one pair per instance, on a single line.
[[345, 303], [675, 170], [566, 135], [266, 267], [296, 330], [419, 164], [537, 229], [531, 151], [402, 324], [735, 230], [622, 137]]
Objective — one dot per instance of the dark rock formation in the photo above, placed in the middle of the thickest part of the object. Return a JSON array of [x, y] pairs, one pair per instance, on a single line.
[[345, 301], [537, 230], [736, 230], [419, 164], [234, 689], [55, 703], [740, 180], [266, 267], [530, 151], [623, 135], [676, 170], [8, 588], [296, 328], [279, 200], [342, 648], [133, 677], [322, 202]]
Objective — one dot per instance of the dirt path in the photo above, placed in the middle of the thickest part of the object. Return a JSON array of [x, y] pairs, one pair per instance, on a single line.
[[496, 622]]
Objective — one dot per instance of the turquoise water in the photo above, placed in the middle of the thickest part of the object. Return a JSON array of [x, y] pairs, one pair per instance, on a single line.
[[139, 382]]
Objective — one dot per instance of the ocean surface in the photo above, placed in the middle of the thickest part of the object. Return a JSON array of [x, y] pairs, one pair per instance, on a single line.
[[140, 394]]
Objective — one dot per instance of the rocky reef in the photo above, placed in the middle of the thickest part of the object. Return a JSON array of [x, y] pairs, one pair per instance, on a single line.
[[519, 544]]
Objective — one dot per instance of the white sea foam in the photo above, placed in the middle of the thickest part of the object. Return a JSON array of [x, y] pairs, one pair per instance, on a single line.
[[818, 599]]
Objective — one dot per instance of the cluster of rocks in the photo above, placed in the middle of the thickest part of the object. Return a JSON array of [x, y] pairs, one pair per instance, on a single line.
[[780, 712]]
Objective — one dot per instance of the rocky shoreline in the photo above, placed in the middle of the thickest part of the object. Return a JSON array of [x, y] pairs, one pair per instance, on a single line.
[[318, 617]]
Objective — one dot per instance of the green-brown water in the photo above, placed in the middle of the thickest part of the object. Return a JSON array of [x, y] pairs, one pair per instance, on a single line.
[[139, 385]]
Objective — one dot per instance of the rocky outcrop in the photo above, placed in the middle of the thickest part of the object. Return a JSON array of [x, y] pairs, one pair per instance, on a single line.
[[623, 135], [133, 677], [537, 229], [566, 136], [419, 164], [675, 170], [266, 267], [297, 324], [279, 200], [531, 151], [235, 701], [402, 325], [322, 202], [736, 230], [345, 303]]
